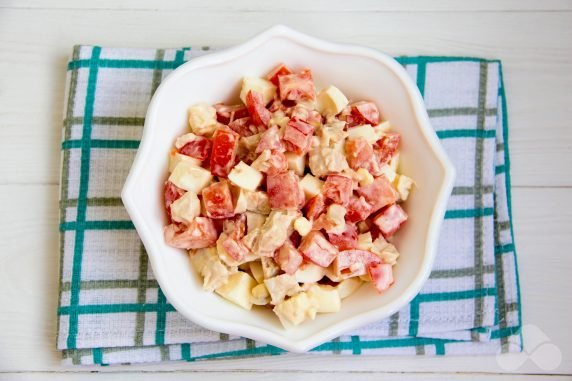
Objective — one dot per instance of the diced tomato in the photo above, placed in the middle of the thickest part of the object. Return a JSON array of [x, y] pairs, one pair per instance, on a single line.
[[245, 127], [228, 113], [298, 136], [277, 72], [347, 240], [224, 151], [199, 234], [235, 248], [386, 147], [257, 109], [379, 193], [354, 262], [381, 275], [284, 191], [338, 188], [314, 207], [390, 219], [199, 148], [288, 258], [358, 209], [297, 87], [235, 227], [316, 248], [367, 111], [359, 153], [172, 193], [270, 139], [217, 199]]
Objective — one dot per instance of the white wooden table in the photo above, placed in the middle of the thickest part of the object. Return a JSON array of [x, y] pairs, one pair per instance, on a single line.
[[533, 39]]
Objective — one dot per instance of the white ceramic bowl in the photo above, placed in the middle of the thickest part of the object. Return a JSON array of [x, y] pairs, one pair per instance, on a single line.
[[361, 73]]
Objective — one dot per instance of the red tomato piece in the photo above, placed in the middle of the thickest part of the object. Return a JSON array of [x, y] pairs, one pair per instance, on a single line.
[[338, 188], [354, 262], [381, 275], [390, 219], [295, 139], [297, 87], [347, 240], [235, 248], [224, 151], [217, 199], [228, 113], [270, 139], [200, 148], [172, 193], [386, 147], [235, 227], [257, 109], [277, 72], [358, 209], [314, 207], [379, 193], [284, 191], [199, 234], [316, 248], [288, 258], [366, 111], [359, 153]]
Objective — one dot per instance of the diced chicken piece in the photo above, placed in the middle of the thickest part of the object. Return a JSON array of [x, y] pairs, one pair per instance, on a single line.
[[378, 194], [200, 233], [331, 101], [332, 135], [288, 258], [239, 252], [390, 219], [295, 310], [303, 226], [348, 286], [274, 233], [333, 222], [326, 298], [175, 158], [358, 209], [316, 248], [245, 176], [202, 119], [284, 191], [298, 136], [297, 87], [186, 208], [254, 220], [381, 275], [270, 140], [250, 239], [281, 286], [269, 267], [328, 156], [217, 199], [224, 151], [271, 162], [235, 227], [246, 147], [403, 185], [238, 289], [338, 189], [257, 202], [386, 147], [314, 207], [277, 72], [312, 186], [347, 240], [260, 295], [190, 177], [309, 273], [387, 253], [260, 85], [171, 194], [226, 114], [296, 163], [350, 263], [256, 270], [207, 263]]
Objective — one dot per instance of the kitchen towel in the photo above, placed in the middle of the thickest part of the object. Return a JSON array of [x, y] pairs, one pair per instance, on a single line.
[[111, 309]]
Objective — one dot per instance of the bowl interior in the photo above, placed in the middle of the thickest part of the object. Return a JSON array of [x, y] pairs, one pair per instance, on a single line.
[[359, 78]]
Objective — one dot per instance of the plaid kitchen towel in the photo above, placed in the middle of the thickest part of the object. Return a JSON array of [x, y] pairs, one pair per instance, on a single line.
[[111, 309]]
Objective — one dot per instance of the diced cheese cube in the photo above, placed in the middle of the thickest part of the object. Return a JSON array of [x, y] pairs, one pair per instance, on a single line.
[[309, 273], [240, 199], [348, 286], [389, 254], [254, 220], [182, 140], [186, 208], [281, 286], [226, 258], [238, 289], [331, 101], [296, 163], [260, 295], [388, 172], [175, 158], [384, 126], [269, 267], [403, 186], [249, 143], [326, 298], [365, 131], [190, 177], [365, 277], [246, 177], [394, 162], [207, 263], [364, 177], [302, 226], [295, 310], [202, 119], [257, 202], [336, 214], [312, 186], [365, 241], [259, 85], [256, 270], [279, 119]]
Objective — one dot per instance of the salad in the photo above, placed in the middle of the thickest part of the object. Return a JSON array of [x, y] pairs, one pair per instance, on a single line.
[[288, 200]]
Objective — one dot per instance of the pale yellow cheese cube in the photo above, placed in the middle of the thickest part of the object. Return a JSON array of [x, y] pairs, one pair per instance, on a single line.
[[394, 162], [364, 177], [175, 158], [365, 131], [254, 220], [202, 119], [296, 163], [269, 267], [389, 254], [325, 298], [348, 286], [309, 273], [240, 199], [186, 208], [281, 286], [403, 186], [295, 310], [312, 186], [256, 270], [238, 289], [245, 177], [260, 295], [365, 241], [190, 177], [302, 225], [336, 214], [389, 173], [259, 85], [257, 202], [331, 101]]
